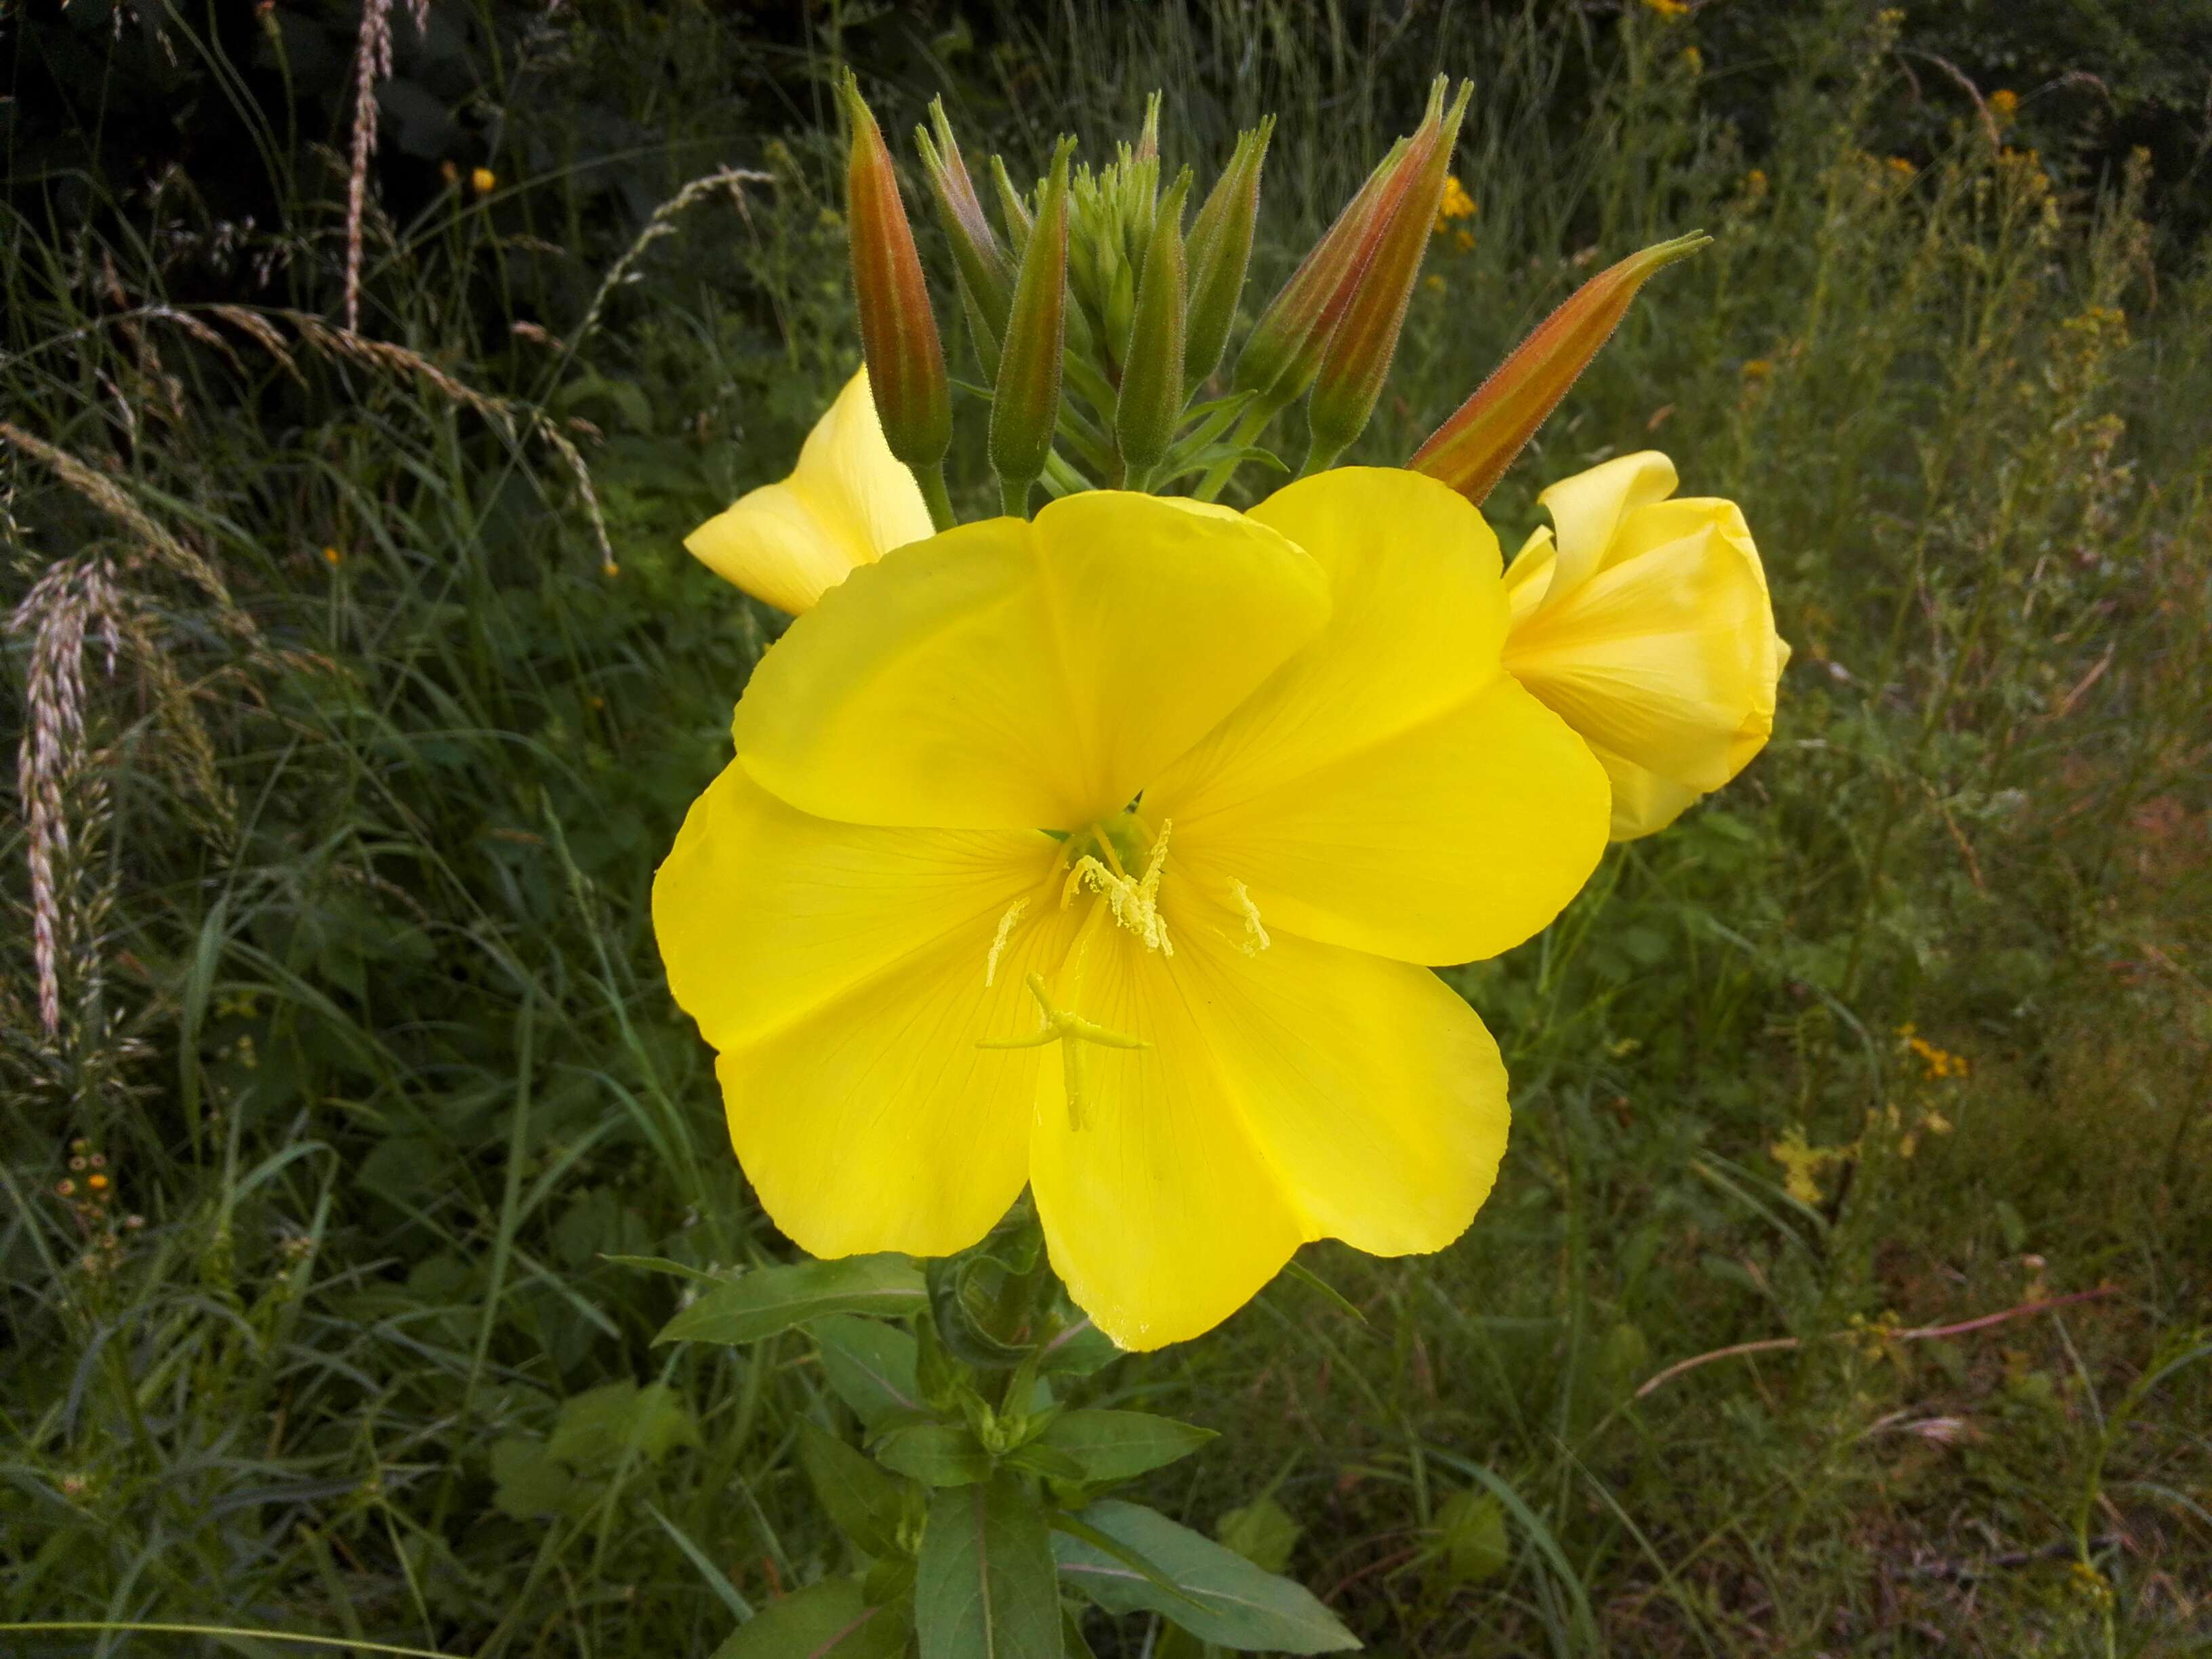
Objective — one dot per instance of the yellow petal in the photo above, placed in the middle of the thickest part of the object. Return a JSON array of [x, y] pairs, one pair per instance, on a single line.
[[1588, 509], [1299, 1092], [848, 503], [1664, 658], [763, 914], [1010, 675], [1390, 789], [876, 1121]]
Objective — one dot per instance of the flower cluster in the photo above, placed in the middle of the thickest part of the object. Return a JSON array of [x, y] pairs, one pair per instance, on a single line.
[[1107, 853]]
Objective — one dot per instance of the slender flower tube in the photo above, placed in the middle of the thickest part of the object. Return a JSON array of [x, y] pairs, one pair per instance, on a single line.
[[1107, 853], [1025, 404], [1152, 395], [1220, 250], [1644, 622], [846, 503], [986, 275], [1470, 450]]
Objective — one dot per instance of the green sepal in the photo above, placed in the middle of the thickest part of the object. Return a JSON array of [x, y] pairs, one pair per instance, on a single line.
[[1220, 252], [1150, 406], [1025, 401]]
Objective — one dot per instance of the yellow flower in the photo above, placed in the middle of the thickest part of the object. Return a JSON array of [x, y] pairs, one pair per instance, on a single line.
[[2004, 103], [1106, 853], [846, 503], [1669, 9], [484, 180], [1456, 202], [1646, 625]]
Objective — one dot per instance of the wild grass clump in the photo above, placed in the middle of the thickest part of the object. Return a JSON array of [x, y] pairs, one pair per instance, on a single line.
[[363, 682]]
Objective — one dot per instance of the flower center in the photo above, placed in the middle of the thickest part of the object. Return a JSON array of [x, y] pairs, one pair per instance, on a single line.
[[1121, 860]]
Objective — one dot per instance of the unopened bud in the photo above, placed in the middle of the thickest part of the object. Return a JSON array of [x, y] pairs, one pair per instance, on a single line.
[[1012, 208], [1026, 406], [1150, 402], [898, 329], [1358, 357], [1471, 450], [986, 275], [1220, 249], [1283, 352]]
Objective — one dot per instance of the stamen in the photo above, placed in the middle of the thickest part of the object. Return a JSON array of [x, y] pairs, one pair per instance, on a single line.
[[1135, 904], [1255, 937], [998, 941]]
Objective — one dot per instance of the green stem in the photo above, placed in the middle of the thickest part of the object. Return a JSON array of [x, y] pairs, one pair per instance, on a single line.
[[1318, 459], [932, 480], [1252, 425], [1014, 497]]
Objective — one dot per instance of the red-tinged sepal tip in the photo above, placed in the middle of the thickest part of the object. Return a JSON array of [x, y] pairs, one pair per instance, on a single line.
[[898, 328], [1472, 450], [1357, 360]]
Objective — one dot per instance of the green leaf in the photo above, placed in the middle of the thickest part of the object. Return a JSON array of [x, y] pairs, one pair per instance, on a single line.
[[1471, 1530], [1079, 1350], [865, 1503], [1261, 1531], [828, 1621], [1225, 1598], [935, 1454], [528, 1483], [661, 1264], [771, 1299], [597, 1428], [870, 1365], [1116, 1445], [984, 1588]]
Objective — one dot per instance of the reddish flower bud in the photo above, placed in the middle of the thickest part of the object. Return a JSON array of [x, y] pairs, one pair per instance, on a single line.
[[1471, 450], [1358, 358], [1283, 352], [898, 329]]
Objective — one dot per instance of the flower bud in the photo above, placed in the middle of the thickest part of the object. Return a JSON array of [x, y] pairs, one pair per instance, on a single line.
[[1471, 450], [1026, 406], [1012, 208], [1150, 402], [1358, 358], [1220, 249], [898, 329], [986, 275], [1284, 350]]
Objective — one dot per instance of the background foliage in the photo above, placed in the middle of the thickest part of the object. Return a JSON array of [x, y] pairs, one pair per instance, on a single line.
[[363, 680]]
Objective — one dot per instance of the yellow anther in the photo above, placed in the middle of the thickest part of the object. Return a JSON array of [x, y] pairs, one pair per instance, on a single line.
[[1255, 937], [998, 940], [1135, 904]]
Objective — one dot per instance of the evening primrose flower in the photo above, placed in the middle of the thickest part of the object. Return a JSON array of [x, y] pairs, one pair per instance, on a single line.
[[846, 503], [1107, 853], [1645, 624]]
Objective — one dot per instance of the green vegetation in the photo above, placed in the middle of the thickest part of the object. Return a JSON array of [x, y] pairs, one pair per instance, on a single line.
[[365, 681]]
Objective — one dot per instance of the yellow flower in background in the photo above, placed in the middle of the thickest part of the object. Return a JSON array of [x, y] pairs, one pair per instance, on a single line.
[[484, 180], [1107, 853], [2004, 103], [1645, 624], [1455, 203], [846, 503]]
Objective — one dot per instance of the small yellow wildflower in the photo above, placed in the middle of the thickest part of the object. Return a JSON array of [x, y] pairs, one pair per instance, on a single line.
[[1693, 60], [1434, 283], [1456, 203], [98, 1182], [2004, 103], [1758, 368], [1463, 240], [1669, 9], [332, 557], [1901, 167], [1754, 183], [483, 181]]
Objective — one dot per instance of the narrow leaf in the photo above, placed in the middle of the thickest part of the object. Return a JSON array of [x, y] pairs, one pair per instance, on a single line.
[[1116, 1445], [864, 1502], [985, 1588]]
